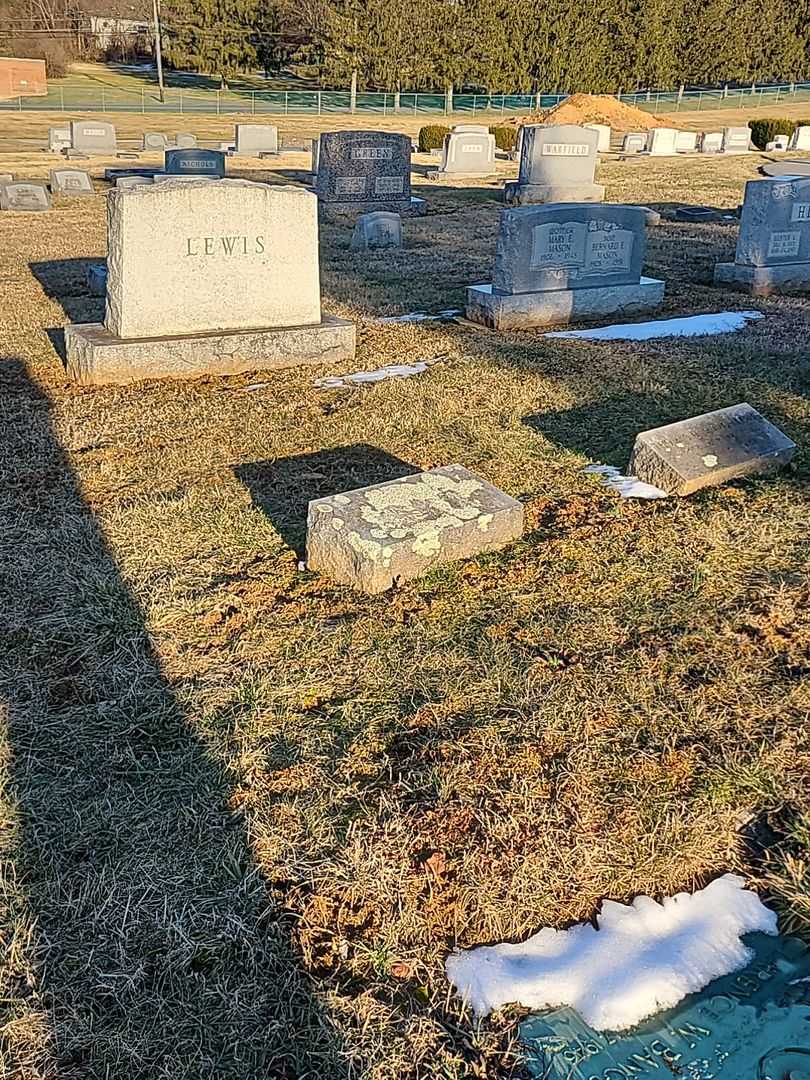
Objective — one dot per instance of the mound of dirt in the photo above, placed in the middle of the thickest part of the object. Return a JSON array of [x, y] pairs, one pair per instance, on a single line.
[[597, 109]]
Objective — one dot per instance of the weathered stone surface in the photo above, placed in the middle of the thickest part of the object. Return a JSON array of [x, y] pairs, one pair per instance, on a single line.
[[25, 195], [97, 279], [6, 178], [184, 140], [568, 245], [467, 154], [377, 536], [133, 181], [214, 255], [195, 162], [785, 169], [736, 140], [97, 357], [709, 449], [415, 207], [366, 170], [92, 137], [778, 142], [686, 142], [661, 141], [800, 139], [711, 142], [59, 138], [517, 194], [377, 230], [154, 140], [634, 142], [113, 175], [523, 311], [604, 132], [71, 182], [764, 280], [255, 139], [478, 129], [557, 164]]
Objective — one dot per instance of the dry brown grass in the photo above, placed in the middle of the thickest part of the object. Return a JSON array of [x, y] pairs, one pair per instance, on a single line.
[[245, 812]]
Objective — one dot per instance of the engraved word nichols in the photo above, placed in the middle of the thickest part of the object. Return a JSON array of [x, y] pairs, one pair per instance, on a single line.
[[224, 245]]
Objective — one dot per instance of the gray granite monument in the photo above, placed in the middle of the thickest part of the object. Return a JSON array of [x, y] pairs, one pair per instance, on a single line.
[[92, 137], [25, 195], [565, 262], [709, 449], [68, 181], [255, 140], [374, 537], [359, 171], [557, 164], [194, 162], [378, 230], [208, 277], [773, 244], [466, 153]]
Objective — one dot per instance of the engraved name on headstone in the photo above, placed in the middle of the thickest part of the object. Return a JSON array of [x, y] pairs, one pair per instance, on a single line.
[[71, 182], [25, 195], [557, 164], [195, 161], [92, 137], [364, 167], [468, 153], [59, 138]]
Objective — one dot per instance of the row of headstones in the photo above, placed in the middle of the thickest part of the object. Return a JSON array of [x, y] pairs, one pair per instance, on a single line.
[[85, 137], [28, 195]]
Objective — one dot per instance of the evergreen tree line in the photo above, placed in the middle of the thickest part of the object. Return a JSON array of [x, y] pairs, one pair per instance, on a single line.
[[497, 46]]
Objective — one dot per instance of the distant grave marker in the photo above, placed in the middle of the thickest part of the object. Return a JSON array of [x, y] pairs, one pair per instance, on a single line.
[[254, 140], [195, 162], [25, 195], [736, 140], [604, 133], [686, 142], [634, 142], [800, 139], [557, 164], [184, 140], [59, 138], [711, 142], [710, 449], [378, 230], [662, 141], [93, 137], [467, 153], [154, 140], [71, 182]]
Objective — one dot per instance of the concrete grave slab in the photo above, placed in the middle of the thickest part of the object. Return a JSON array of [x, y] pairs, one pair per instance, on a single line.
[[374, 537], [710, 449]]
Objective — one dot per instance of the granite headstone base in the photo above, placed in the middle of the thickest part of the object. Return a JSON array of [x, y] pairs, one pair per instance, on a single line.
[[764, 280], [329, 211], [95, 356], [374, 537], [560, 307], [517, 194]]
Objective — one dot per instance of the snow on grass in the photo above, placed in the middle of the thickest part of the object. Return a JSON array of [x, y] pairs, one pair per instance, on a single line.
[[421, 316], [390, 371], [721, 322], [643, 957], [629, 487]]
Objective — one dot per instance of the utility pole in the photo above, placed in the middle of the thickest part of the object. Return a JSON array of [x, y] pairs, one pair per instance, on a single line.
[[158, 49]]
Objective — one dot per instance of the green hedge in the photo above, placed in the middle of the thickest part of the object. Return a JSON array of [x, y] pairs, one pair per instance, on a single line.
[[763, 131], [431, 137], [505, 137]]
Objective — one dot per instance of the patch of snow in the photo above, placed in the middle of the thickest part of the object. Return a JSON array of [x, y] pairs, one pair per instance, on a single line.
[[421, 316], [643, 957], [721, 322], [629, 487], [391, 371]]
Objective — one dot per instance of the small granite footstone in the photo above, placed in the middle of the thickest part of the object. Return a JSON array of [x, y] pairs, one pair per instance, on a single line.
[[25, 195], [709, 449], [376, 231], [71, 182], [374, 537], [97, 279]]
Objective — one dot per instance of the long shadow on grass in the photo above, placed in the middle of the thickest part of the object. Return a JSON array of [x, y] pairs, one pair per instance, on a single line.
[[156, 949], [282, 488], [65, 280]]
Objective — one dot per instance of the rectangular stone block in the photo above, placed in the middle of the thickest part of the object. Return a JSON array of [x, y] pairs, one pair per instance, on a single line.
[[255, 139], [517, 194], [71, 182], [560, 307], [634, 142], [95, 356], [194, 162], [59, 138], [709, 449], [661, 141], [374, 537], [25, 195], [800, 139], [569, 245], [603, 131], [468, 154], [711, 142], [370, 170], [92, 137], [133, 181], [736, 140], [211, 255], [793, 278], [686, 142]]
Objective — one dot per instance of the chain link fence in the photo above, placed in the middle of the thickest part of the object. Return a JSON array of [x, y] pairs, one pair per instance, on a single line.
[[108, 99]]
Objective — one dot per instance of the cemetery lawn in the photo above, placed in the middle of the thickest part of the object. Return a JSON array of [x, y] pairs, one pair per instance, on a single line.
[[245, 812]]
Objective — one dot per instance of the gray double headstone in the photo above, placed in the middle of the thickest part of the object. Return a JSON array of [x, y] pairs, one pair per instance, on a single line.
[[92, 137], [559, 263], [360, 171], [377, 230], [68, 181], [773, 244], [253, 140], [557, 164], [711, 142], [634, 142], [467, 153], [194, 162], [25, 195], [709, 449]]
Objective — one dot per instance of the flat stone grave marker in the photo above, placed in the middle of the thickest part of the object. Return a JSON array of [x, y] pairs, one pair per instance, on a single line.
[[25, 195], [206, 277], [467, 154], [358, 171], [709, 449], [773, 244], [373, 537], [557, 164], [195, 162], [113, 174], [92, 137], [686, 142], [786, 169], [378, 230], [634, 142], [154, 140], [254, 140], [662, 141], [698, 213], [71, 182], [184, 140], [59, 138], [564, 262], [751, 1025], [800, 139], [711, 142], [736, 140], [604, 132]]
